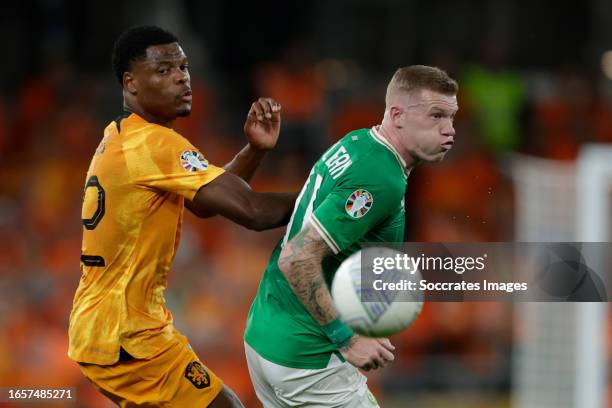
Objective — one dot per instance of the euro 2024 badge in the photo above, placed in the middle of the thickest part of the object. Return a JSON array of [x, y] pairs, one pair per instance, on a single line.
[[359, 203], [192, 160]]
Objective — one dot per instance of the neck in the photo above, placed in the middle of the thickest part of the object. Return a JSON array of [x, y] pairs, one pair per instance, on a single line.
[[391, 134], [137, 109]]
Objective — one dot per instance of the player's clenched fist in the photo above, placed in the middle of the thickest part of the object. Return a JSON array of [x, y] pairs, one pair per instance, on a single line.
[[263, 122], [368, 353]]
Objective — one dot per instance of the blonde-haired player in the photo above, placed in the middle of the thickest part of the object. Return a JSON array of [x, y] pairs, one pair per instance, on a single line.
[[354, 195]]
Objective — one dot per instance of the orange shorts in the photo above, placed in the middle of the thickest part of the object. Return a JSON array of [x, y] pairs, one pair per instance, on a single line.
[[173, 378]]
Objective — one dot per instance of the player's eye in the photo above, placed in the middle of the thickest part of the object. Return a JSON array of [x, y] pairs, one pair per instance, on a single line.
[[437, 115], [162, 71], [184, 67]]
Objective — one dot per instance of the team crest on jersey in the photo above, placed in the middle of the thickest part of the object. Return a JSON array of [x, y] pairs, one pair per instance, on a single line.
[[192, 160], [359, 203], [197, 375]]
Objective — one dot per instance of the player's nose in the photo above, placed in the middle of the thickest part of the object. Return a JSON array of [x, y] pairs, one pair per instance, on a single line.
[[182, 77], [448, 129]]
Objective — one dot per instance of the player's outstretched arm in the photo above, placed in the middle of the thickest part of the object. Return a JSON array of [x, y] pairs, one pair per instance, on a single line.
[[262, 127], [300, 261], [232, 198]]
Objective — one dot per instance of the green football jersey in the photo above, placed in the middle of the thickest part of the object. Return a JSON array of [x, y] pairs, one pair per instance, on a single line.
[[353, 195]]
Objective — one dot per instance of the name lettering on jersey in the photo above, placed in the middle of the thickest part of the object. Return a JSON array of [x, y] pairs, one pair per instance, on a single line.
[[192, 160], [338, 162], [328, 151]]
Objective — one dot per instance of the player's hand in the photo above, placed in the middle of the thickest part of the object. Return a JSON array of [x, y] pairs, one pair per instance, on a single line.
[[368, 353], [262, 124]]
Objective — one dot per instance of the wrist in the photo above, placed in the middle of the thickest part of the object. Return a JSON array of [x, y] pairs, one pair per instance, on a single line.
[[256, 150], [338, 333]]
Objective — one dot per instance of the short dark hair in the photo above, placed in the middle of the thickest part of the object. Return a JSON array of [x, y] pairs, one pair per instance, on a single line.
[[416, 77], [132, 45]]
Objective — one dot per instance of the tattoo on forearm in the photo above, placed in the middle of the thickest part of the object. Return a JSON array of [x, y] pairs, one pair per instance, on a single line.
[[301, 262]]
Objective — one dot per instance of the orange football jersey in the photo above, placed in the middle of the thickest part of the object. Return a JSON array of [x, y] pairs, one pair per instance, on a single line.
[[132, 215]]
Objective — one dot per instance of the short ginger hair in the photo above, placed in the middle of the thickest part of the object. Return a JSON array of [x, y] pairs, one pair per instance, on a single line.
[[417, 77]]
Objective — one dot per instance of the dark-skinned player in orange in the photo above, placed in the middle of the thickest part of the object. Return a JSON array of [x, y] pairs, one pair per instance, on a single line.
[[141, 177]]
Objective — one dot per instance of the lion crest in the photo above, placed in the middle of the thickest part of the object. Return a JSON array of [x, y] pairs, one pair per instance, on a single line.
[[198, 376]]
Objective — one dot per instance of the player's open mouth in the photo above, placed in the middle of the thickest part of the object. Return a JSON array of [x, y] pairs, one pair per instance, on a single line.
[[448, 145]]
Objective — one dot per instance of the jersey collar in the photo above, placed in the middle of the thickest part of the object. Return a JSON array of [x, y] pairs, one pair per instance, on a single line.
[[383, 141]]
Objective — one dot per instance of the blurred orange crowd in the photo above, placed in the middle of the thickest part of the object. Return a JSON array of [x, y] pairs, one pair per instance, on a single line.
[[50, 131]]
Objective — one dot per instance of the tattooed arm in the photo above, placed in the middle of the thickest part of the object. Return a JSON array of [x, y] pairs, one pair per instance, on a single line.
[[300, 262]]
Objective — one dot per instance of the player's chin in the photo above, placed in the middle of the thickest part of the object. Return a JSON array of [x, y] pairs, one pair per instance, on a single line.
[[436, 158], [184, 110]]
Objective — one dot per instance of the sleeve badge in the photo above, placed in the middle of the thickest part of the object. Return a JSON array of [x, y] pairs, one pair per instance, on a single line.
[[359, 203], [192, 160]]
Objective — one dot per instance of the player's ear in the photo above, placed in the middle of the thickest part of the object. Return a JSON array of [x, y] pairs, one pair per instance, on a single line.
[[395, 114], [129, 83]]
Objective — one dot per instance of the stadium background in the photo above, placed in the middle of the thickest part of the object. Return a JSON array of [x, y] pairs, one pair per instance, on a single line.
[[534, 79]]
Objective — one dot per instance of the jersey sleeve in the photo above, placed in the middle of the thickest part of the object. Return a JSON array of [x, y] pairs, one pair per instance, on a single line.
[[169, 162], [362, 200]]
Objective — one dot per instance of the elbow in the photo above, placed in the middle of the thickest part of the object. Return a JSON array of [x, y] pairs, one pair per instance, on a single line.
[[255, 225], [257, 219], [252, 224], [253, 221], [260, 227], [205, 214]]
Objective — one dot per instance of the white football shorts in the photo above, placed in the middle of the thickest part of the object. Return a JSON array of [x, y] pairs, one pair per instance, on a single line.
[[339, 385]]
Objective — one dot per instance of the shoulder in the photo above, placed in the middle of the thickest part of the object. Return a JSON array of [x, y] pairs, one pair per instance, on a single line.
[[357, 142], [152, 137], [133, 125], [341, 157], [374, 165], [369, 179]]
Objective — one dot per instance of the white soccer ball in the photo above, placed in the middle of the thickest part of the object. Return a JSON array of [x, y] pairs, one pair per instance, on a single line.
[[390, 311]]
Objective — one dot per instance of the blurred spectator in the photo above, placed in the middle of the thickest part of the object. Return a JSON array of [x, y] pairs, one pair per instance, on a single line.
[[494, 95]]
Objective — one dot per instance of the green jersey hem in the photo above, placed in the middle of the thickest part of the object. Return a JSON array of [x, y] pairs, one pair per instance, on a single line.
[[303, 364]]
